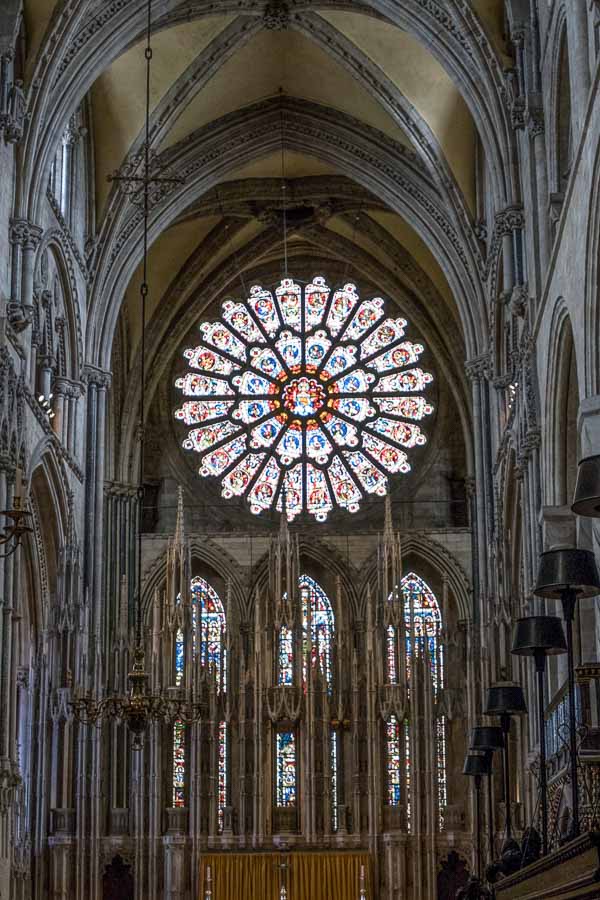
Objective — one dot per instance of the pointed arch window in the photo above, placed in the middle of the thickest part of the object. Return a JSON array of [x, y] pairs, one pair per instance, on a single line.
[[208, 649], [423, 623], [318, 619], [318, 626]]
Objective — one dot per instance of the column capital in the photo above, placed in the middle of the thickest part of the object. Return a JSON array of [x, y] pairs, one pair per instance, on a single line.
[[509, 220], [478, 367], [101, 378], [25, 234]]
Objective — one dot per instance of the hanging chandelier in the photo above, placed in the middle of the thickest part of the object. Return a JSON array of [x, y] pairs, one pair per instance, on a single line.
[[19, 517], [138, 707]]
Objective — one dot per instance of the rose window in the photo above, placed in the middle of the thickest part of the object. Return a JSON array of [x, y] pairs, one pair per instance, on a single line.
[[309, 398]]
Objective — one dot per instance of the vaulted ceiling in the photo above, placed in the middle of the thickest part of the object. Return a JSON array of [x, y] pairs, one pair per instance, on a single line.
[[341, 82]]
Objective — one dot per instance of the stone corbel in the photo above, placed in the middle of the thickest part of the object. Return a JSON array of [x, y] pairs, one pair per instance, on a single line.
[[392, 701], [25, 238], [284, 703]]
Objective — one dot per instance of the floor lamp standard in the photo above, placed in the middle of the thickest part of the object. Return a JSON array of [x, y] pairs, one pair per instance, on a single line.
[[540, 637], [568, 574], [488, 739], [505, 700]]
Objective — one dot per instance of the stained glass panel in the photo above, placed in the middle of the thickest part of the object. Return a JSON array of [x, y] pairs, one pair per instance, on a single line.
[[394, 763], [285, 789], [208, 649], [307, 372], [208, 622], [334, 779], [222, 774], [178, 764], [285, 673], [423, 623], [316, 607]]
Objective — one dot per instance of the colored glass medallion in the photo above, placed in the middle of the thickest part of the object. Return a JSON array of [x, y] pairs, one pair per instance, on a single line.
[[319, 379]]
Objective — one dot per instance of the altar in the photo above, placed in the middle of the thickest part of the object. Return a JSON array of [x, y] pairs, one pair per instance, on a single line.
[[286, 875]]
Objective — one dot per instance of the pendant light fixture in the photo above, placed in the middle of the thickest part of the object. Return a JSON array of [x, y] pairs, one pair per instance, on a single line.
[[138, 707]]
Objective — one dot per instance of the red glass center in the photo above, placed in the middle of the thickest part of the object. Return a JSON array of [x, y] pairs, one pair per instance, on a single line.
[[303, 396]]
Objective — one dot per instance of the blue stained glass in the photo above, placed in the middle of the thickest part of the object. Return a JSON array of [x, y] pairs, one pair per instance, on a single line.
[[286, 656], [303, 369], [423, 622], [334, 779], [394, 761], [179, 657], [211, 652], [222, 776], [286, 789], [208, 622], [316, 603]]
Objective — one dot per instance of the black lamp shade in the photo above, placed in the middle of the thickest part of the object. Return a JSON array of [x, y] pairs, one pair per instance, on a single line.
[[586, 501], [486, 738], [476, 764], [505, 699], [567, 568], [539, 634]]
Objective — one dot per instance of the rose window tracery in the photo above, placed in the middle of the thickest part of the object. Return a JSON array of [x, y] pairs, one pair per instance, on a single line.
[[310, 394]]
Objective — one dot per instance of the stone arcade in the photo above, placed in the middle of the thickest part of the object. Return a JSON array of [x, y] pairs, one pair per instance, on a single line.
[[369, 367]]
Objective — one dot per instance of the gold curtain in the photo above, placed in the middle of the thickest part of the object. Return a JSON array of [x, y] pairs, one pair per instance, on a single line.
[[311, 876]]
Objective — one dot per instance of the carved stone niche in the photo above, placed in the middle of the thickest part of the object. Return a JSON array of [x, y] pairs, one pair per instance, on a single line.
[[453, 817], [177, 820], [62, 821], [394, 818], [119, 821], [285, 820]]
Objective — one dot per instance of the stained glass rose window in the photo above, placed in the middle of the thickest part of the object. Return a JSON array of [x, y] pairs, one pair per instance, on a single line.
[[308, 394]]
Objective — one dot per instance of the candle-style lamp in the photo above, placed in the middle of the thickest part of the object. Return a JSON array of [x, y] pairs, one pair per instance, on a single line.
[[505, 700], [540, 637], [488, 739], [477, 765], [568, 574], [586, 501]]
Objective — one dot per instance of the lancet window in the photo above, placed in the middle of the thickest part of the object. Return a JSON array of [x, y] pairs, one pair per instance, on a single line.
[[317, 646], [208, 651], [423, 622]]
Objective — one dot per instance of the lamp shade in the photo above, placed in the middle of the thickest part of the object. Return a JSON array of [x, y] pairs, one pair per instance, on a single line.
[[505, 699], [567, 568], [486, 738], [542, 635], [586, 501], [476, 764]]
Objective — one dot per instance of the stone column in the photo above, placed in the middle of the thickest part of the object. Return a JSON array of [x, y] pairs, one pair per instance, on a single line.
[[579, 63], [24, 238], [538, 141], [476, 370]]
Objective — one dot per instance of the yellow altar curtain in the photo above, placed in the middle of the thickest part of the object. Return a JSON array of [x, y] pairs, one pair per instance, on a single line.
[[310, 876]]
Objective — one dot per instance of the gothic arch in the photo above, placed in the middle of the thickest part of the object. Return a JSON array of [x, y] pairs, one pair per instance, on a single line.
[[52, 244], [81, 51], [562, 407], [360, 152], [326, 557], [591, 298], [208, 552], [422, 547]]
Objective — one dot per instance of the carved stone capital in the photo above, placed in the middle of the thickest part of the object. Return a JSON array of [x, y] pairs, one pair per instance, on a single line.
[[19, 317], [276, 16], [478, 367], [25, 234], [509, 220], [99, 377], [536, 124], [518, 300]]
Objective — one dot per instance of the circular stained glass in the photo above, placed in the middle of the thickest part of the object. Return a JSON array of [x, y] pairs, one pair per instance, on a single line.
[[308, 394]]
